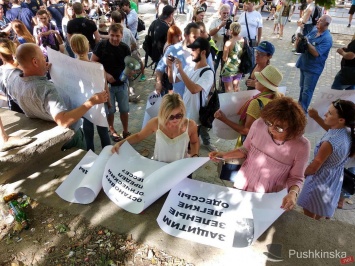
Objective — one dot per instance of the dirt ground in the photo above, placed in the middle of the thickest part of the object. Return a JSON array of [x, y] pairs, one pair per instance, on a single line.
[[58, 238]]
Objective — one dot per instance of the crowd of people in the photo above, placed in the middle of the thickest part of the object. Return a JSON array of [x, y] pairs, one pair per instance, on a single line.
[[186, 61]]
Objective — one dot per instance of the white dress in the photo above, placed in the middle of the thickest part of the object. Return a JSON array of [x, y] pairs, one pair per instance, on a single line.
[[169, 150]]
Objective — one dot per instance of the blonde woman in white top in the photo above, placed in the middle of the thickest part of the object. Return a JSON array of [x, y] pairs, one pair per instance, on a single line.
[[173, 132]]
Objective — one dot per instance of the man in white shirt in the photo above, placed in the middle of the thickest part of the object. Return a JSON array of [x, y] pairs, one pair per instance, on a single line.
[[196, 79], [251, 20]]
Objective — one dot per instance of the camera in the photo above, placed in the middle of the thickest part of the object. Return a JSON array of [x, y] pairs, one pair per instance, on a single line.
[[228, 23], [302, 45]]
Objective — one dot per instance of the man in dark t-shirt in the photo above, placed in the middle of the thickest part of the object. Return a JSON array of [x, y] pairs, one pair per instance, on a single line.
[[111, 54], [57, 12], [343, 80], [83, 26]]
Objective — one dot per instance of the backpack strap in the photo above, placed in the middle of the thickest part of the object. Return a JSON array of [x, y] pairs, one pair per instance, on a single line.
[[213, 86], [260, 102]]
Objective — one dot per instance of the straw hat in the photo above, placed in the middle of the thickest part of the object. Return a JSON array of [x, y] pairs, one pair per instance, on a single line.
[[270, 77]]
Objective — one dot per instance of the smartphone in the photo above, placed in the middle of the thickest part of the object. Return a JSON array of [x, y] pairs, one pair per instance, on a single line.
[[171, 58]]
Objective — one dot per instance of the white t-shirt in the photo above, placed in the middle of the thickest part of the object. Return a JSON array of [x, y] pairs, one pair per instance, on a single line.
[[255, 22], [309, 7], [128, 37], [192, 101], [219, 36]]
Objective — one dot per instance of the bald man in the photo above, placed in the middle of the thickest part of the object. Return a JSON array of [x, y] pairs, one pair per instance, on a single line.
[[37, 96]]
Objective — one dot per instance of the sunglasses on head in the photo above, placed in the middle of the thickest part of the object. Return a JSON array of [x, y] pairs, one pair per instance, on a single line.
[[278, 129], [337, 105], [177, 116]]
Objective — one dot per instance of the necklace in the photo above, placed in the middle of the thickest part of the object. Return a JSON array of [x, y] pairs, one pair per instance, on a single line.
[[278, 144]]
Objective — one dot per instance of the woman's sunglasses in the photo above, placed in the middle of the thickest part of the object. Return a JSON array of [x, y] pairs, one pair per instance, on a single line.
[[337, 105], [278, 129], [177, 116]]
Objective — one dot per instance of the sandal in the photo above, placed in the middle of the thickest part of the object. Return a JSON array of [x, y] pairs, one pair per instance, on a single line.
[[116, 138], [125, 135]]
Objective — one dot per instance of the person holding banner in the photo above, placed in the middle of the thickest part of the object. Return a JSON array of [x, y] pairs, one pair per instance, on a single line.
[[173, 132], [275, 152], [80, 46], [37, 96], [324, 175], [266, 82]]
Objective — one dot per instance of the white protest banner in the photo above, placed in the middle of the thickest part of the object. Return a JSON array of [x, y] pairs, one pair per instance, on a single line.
[[76, 81], [134, 182], [321, 102], [130, 180], [230, 104], [218, 216], [152, 107], [67, 189]]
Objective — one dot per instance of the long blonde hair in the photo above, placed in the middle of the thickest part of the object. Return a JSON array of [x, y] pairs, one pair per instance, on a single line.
[[168, 104], [7, 50], [21, 31]]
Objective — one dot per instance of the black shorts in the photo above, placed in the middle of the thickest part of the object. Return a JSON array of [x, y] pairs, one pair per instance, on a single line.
[[352, 10]]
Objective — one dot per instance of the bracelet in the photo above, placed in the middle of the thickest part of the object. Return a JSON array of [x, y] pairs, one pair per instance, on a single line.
[[292, 190], [195, 155]]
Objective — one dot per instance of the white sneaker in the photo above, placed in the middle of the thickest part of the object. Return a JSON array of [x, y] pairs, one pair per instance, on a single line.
[[297, 53], [210, 147]]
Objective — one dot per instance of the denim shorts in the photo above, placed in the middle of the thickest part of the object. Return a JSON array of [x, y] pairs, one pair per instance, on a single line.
[[118, 94]]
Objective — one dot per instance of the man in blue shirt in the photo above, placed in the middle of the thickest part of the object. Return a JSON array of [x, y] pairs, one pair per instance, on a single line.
[[56, 8], [33, 5], [183, 53], [22, 13], [180, 51], [312, 62]]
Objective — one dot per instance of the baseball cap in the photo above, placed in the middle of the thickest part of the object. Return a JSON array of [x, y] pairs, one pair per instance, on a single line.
[[266, 47], [201, 43]]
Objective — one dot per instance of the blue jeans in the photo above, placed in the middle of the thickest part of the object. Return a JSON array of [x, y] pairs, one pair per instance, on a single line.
[[338, 86], [182, 6], [308, 82], [119, 94], [88, 128], [205, 136]]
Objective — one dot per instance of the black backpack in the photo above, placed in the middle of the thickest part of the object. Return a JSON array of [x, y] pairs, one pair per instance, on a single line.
[[317, 13], [206, 113], [141, 25], [150, 44], [246, 63]]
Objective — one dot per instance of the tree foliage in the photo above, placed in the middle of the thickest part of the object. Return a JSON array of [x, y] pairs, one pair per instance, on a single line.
[[324, 3]]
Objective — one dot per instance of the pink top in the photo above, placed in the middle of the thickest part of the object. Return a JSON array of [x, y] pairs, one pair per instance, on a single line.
[[270, 167]]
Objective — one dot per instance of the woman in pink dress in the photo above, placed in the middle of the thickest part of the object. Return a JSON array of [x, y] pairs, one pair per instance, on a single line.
[[275, 152]]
